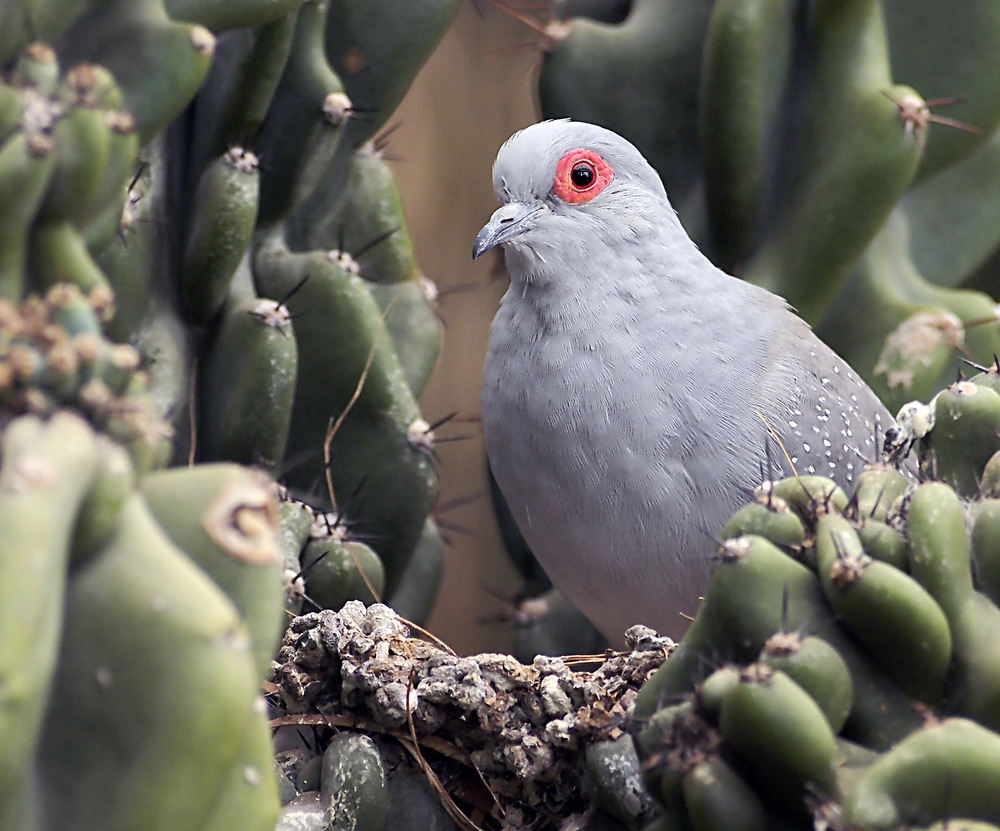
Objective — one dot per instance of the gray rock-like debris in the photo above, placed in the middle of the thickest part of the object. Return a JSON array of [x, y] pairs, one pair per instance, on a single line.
[[523, 726]]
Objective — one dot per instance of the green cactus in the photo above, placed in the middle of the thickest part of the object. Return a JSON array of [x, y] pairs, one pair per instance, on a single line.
[[221, 225], [891, 614], [964, 436], [337, 570], [916, 633], [224, 517], [944, 769], [249, 373], [149, 642], [44, 464], [784, 760], [817, 681], [353, 785], [171, 316], [817, 667], [148, 394]]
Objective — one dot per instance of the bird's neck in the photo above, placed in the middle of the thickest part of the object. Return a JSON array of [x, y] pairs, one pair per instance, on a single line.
[[652, 290], [649, 261]]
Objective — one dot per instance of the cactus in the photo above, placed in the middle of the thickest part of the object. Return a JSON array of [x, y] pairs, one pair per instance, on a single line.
[[820, 681], [901, 662], [207, 284], [171, 344]]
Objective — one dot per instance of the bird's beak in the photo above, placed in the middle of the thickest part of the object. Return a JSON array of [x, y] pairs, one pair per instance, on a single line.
[[507, 221]]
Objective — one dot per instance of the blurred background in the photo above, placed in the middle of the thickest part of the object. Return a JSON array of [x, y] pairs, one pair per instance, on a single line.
[[475, 91]]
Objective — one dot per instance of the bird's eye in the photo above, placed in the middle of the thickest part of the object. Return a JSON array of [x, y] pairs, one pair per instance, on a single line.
[[581, 175]]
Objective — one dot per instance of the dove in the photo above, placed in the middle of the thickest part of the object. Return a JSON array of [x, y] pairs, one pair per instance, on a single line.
[[631, 388]]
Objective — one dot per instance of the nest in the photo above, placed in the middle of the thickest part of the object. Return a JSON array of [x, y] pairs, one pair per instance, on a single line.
[[523, 731]]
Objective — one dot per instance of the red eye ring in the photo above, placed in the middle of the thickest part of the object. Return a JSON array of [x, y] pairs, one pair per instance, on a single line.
[[581, 175]]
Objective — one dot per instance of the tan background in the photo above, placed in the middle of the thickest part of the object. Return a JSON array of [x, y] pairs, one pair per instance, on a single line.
[[474, 92]]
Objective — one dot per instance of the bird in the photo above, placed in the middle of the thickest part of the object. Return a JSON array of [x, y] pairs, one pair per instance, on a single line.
[[631, 388]]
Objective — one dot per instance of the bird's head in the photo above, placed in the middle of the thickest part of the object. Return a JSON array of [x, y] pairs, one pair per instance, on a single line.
[[566, 186]]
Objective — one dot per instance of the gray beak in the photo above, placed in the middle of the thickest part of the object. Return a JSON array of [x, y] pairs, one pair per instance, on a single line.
[[507, 222]]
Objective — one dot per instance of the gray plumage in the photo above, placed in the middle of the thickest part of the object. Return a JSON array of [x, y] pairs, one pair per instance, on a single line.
[[628, 381]]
